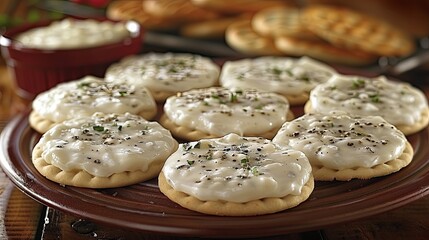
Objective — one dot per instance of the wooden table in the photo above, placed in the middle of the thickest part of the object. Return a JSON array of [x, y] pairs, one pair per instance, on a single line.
[[23, 218]]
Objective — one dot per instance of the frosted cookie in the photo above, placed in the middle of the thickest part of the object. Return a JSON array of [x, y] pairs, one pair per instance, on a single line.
[[347, 28], [165, 74], [281, 21], [398, 103], [84, 97], [292, 78], [342, 147], [241, 37], [236, 176], [103, 151], [322, 50], [216, 111]]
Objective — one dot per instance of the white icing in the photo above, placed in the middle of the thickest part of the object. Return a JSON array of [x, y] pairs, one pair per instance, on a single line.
[[105, 144], [339, 141], [397, 102], [88, 95], [172, 72], [73, 34], [283, 75], [220, 111], [236, 169]]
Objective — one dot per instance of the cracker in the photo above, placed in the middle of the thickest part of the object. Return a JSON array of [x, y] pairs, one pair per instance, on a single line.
[[241, 37], [178, 10], [189, 134], [420, 125], [281, 21], [161, 96], [347, 28], [322, 173], [405, 129], [239, 6], [298, 99], [287, 76], [322, 50], [42, 125], [39, 123], [81, 178], [165, 74], [221, 208], [211, 28], [103, 151], [133, 10]]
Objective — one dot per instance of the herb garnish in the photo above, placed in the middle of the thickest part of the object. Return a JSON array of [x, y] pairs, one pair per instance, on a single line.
[[98, 128], [375, 98], [190, 162], [254, 171], [358, 83]]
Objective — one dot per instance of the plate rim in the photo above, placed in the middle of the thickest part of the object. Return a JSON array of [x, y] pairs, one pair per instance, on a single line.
[[218, 226]]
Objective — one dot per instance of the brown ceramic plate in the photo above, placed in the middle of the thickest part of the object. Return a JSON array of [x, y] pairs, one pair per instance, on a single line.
[[143, 207]]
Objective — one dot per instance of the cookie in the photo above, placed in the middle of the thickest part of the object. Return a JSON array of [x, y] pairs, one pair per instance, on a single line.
[[216, 111], [236, 176], [241, 37], [398, 103], [281, 21], [83, 97], [324, 51], [165, 74], [103, 151], [347, 28], [290, 77], [343, 147]]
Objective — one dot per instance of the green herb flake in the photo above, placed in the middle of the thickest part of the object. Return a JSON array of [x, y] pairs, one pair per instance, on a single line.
[[190, 162], [188, 146], [358, 83], [240, 77], [173, 70], [254, 170], [83, 84], [233, 98], [305, 79], [98, 128], [244, 162], [375, 98], [276, 71]]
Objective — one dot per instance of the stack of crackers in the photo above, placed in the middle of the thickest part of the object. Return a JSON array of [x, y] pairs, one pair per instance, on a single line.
[[328, 33], [255, 27], [190, 18]]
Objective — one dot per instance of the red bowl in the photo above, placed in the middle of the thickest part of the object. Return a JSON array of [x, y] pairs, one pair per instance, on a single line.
[[37, 70]]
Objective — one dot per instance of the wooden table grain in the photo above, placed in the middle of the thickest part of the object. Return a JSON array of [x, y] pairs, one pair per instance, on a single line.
[[23, 218]]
